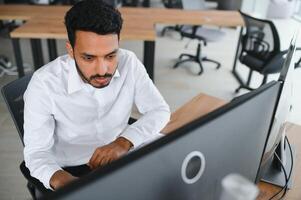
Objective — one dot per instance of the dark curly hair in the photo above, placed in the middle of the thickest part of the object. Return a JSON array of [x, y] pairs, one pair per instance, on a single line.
[[92, 15]]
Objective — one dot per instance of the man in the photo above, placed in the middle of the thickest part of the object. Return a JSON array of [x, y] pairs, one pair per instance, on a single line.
[[77, 106]]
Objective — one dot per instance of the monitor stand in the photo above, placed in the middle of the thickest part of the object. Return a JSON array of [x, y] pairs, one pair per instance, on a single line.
[[275, 175]]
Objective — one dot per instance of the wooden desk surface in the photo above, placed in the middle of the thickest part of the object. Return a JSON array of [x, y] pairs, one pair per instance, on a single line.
[[194, 17], [54, 28], [26, 12], [139, 23], [156, 15]]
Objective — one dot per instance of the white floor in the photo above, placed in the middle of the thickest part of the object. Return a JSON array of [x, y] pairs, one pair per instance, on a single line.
[[176, 85]]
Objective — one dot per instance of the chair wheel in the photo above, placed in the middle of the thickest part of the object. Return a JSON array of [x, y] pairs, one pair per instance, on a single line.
[[237, 90]]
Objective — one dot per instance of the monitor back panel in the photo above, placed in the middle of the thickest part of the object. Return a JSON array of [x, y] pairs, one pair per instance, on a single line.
[[233, 142]]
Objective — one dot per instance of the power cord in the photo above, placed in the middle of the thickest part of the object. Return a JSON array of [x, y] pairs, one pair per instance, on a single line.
[[287, 178], [292, 164], [285, 175]]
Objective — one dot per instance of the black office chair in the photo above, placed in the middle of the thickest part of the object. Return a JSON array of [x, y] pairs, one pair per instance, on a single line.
[[172, 4], [298, 63], [130, 3], [6, 66], [260, 49], [13, 96], [200, 33], [229, 4]]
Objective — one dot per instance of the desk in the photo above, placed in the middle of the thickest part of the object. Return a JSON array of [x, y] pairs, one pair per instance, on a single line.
[[26, 12], [139, 23], [51, 29], [203, 104]]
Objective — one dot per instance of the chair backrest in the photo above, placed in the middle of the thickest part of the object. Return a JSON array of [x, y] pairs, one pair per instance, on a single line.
[[261, 39], [194, 4], [13, 96], [172, 4], [229, 4]]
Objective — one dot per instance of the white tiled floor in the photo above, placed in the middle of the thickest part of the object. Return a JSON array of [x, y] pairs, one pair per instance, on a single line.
[[177, 86]]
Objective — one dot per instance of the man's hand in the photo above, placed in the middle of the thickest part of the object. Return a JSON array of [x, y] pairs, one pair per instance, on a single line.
[[108, 153], [60, 178]]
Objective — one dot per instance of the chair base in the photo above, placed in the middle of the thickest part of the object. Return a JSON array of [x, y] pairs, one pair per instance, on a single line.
[[196, 58], [247, 84], [298, 63], [176, 28], [243, 87]]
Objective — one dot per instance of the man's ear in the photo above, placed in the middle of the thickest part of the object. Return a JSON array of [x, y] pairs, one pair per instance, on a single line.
[[69, 49]]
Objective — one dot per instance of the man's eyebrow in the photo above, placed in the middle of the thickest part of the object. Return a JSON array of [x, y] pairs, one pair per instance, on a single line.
[[90, 55], [113, 52], [87, 54]]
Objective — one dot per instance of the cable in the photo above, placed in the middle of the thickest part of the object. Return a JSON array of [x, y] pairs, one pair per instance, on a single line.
[[287, 178], [285, 175], [292, 164]]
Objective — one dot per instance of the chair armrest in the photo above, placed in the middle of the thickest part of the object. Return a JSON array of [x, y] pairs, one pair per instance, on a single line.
[[35, 182]]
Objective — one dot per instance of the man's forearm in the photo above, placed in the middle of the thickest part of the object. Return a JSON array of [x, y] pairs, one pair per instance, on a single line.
[[125, 143], [61, 178]]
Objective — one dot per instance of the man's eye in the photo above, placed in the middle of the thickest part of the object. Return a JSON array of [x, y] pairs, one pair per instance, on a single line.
[[88, 58], [111, 56]]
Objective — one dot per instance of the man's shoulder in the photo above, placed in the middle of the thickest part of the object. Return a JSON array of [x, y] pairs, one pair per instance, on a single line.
[[127, 53], [128, 60], [51, 73], [54, 67]]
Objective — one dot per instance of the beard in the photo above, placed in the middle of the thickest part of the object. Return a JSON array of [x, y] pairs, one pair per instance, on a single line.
[[94, 77]]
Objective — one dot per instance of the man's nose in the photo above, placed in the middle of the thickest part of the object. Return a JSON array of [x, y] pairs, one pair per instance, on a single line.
[[102, 67]]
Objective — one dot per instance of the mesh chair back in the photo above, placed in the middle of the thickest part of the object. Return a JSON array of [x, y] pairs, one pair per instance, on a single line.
[[13, 96], [173, 4], [261, 39], [194, 4]]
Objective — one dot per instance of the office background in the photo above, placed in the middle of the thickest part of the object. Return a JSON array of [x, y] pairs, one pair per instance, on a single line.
[[176, 85]]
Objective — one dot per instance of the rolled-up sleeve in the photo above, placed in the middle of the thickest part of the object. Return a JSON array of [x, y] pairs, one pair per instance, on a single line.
[[39, 128], [150, 103]]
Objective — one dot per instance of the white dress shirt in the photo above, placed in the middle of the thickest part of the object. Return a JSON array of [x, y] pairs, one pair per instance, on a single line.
[[65, 119]]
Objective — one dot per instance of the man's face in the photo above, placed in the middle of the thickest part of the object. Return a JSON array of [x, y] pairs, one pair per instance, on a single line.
[[95, 57]]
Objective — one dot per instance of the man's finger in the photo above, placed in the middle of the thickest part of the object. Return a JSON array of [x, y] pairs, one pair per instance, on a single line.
[[103, 162], [98, 161], [94, 158]]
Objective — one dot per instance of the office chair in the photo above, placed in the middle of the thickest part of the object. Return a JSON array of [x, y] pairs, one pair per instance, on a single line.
[[13, 96], [260, 49], [172, 4], [202, 34], [130, 3], [6, 66], [298, 63], [229, 4]]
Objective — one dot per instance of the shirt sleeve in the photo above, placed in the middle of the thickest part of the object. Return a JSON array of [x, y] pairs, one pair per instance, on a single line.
[[39, 127], [150, 103]]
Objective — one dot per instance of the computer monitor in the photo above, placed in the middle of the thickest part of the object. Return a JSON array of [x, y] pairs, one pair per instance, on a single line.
[[190, 162], [270, 170]]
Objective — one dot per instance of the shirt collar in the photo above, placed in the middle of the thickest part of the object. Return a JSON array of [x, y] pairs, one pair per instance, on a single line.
[[75, 82]]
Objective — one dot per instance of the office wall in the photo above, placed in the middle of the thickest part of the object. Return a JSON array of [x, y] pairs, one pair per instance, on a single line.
[[257, 8]]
